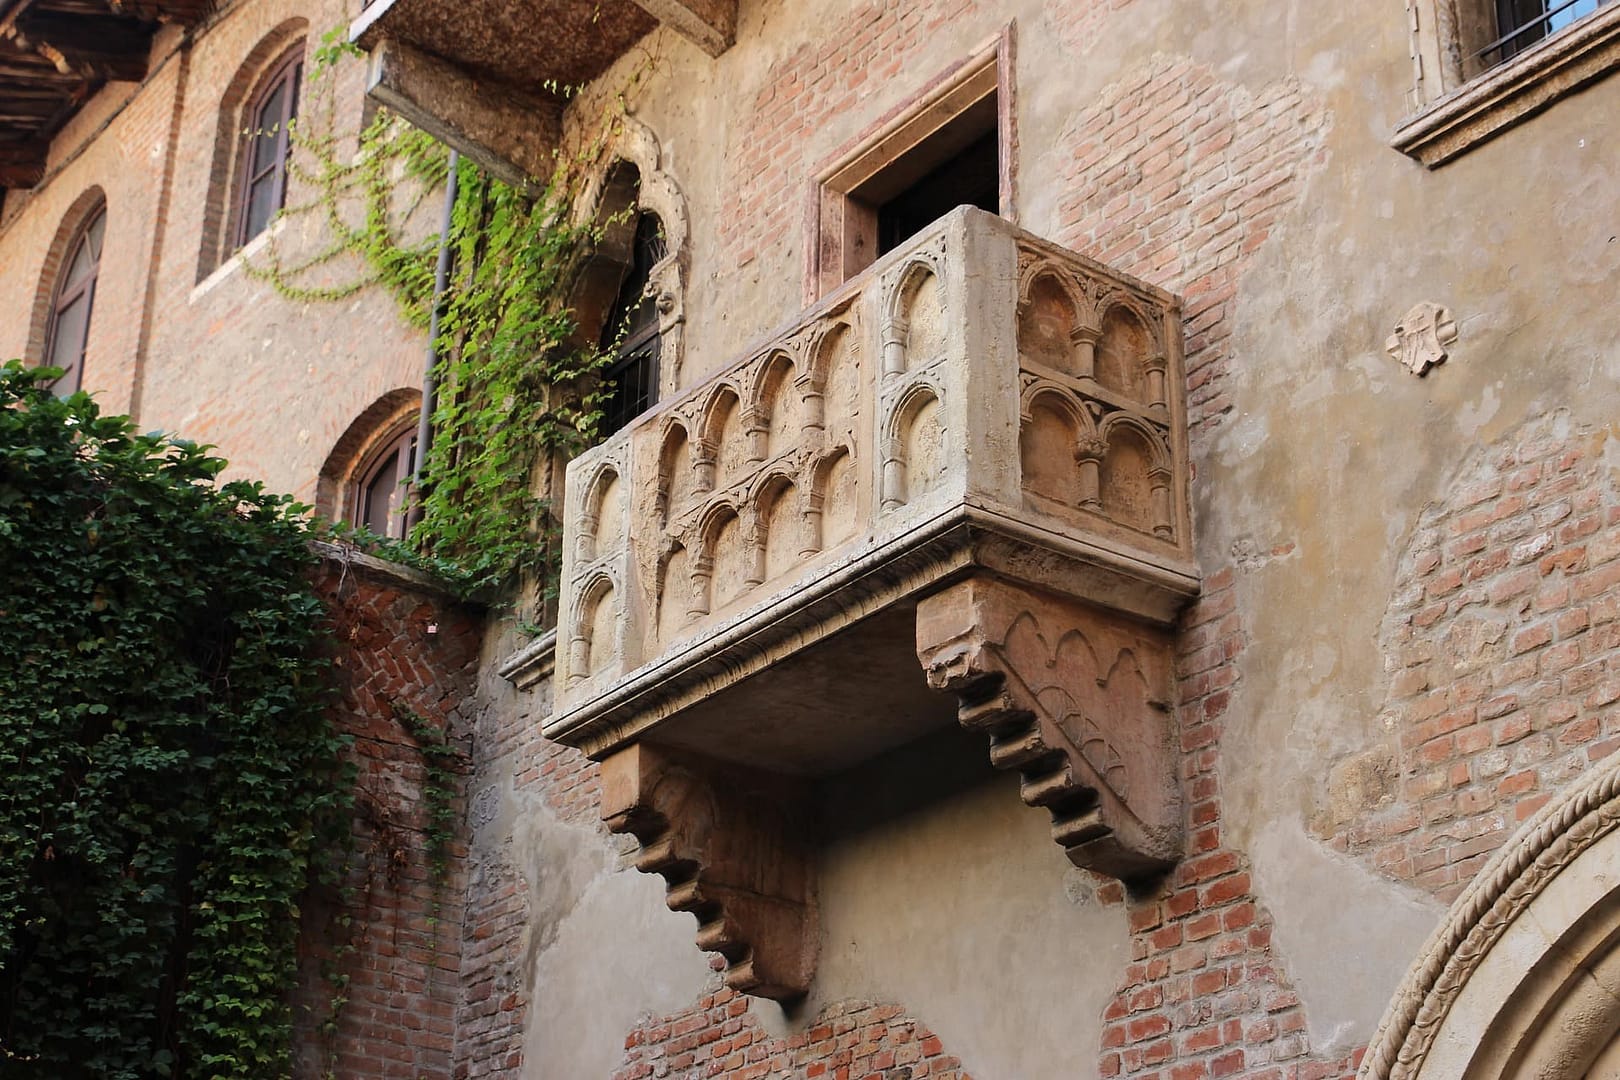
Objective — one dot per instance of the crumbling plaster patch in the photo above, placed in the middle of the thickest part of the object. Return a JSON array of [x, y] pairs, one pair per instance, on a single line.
[[603, 951], [1329, 958]]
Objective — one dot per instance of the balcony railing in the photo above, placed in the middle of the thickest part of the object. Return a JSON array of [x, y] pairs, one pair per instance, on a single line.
[[978, 397]]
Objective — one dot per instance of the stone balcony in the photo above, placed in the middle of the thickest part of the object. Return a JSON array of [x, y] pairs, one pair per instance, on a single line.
[[491, 77], [955, 490]]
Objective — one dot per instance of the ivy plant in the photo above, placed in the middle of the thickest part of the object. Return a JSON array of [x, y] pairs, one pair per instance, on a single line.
[[172, 778], [518, 388]]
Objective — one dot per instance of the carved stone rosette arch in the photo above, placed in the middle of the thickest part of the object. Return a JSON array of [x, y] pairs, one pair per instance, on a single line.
[[1523, 976], [635, 179]]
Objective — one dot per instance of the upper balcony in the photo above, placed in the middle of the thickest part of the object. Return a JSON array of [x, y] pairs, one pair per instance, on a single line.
[[490, 77], [965, 470]]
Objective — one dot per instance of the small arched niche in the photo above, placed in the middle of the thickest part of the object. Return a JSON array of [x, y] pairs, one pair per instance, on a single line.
[[1046, 450], [1123, 350], [604, 515], [1047, 324], [597, 641], [674, 592], [675, 474], [922, 307], [839, 375], [836, 484], [780, 405], [723, 432], [1126, 481], [729, 556], [924, 440], [782, 524]]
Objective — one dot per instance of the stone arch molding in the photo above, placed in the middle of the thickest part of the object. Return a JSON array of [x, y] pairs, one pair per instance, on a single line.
[[633, 143], [1522, 979]]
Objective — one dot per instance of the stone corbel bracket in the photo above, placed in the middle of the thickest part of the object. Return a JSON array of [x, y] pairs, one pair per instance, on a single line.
[[1075, 699], [732, 848]]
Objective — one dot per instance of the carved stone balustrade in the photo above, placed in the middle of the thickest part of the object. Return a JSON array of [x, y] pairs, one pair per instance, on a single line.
[[963, 471]]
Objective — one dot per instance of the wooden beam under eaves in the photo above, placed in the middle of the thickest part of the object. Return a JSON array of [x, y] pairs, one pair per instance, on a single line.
[[710, 24], [22, 165], [85, 46]]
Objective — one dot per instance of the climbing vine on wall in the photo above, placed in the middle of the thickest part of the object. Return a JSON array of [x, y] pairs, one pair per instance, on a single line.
[[172, 780], [519, 390]]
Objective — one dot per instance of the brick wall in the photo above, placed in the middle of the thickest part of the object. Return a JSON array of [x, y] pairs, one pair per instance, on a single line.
[[1178, 177], [1500, 647], [390, 946], [809, 92], [849, 1041], [272, 383], [1205, 994]]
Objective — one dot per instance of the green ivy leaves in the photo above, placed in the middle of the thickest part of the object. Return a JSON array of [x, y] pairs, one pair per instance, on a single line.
[[169, 764]]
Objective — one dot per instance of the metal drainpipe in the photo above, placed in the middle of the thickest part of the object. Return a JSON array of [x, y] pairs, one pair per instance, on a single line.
[[441, 281]]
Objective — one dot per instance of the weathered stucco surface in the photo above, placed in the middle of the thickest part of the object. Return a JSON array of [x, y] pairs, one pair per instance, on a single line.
[[935, 845]]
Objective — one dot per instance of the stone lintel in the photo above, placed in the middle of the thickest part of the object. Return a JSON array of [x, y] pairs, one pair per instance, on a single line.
[[1077, 700], [731, 845], [709, 24], [509, 131]]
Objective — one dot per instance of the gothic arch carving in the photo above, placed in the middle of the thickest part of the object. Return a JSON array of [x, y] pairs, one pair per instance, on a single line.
[[920, 403], [594, 637], [596, 506], [1520, 978], [900, 311], [635, 178]]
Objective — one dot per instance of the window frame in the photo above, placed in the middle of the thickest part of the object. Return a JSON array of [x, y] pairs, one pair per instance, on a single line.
[[632, 346], [1458, 103], [64, 293], [398, 443], [842, 233], [285, 71]]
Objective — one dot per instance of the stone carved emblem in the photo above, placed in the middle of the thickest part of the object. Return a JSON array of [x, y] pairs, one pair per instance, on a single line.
[[1421, 337]]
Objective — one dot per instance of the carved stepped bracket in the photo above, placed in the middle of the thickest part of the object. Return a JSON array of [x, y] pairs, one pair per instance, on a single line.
[[730, 844], [1076, 699]]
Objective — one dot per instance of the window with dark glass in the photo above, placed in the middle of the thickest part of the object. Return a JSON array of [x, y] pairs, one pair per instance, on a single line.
[[266, 132], [75, 297], [1522, 23], [631, 333], [380, 496]]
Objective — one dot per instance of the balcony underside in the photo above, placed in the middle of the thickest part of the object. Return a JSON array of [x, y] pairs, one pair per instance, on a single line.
[[491, 78]]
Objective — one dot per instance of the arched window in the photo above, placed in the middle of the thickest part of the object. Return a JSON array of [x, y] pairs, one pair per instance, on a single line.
[[266, 127], [68, 330], [379, 493], [631, 331]]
